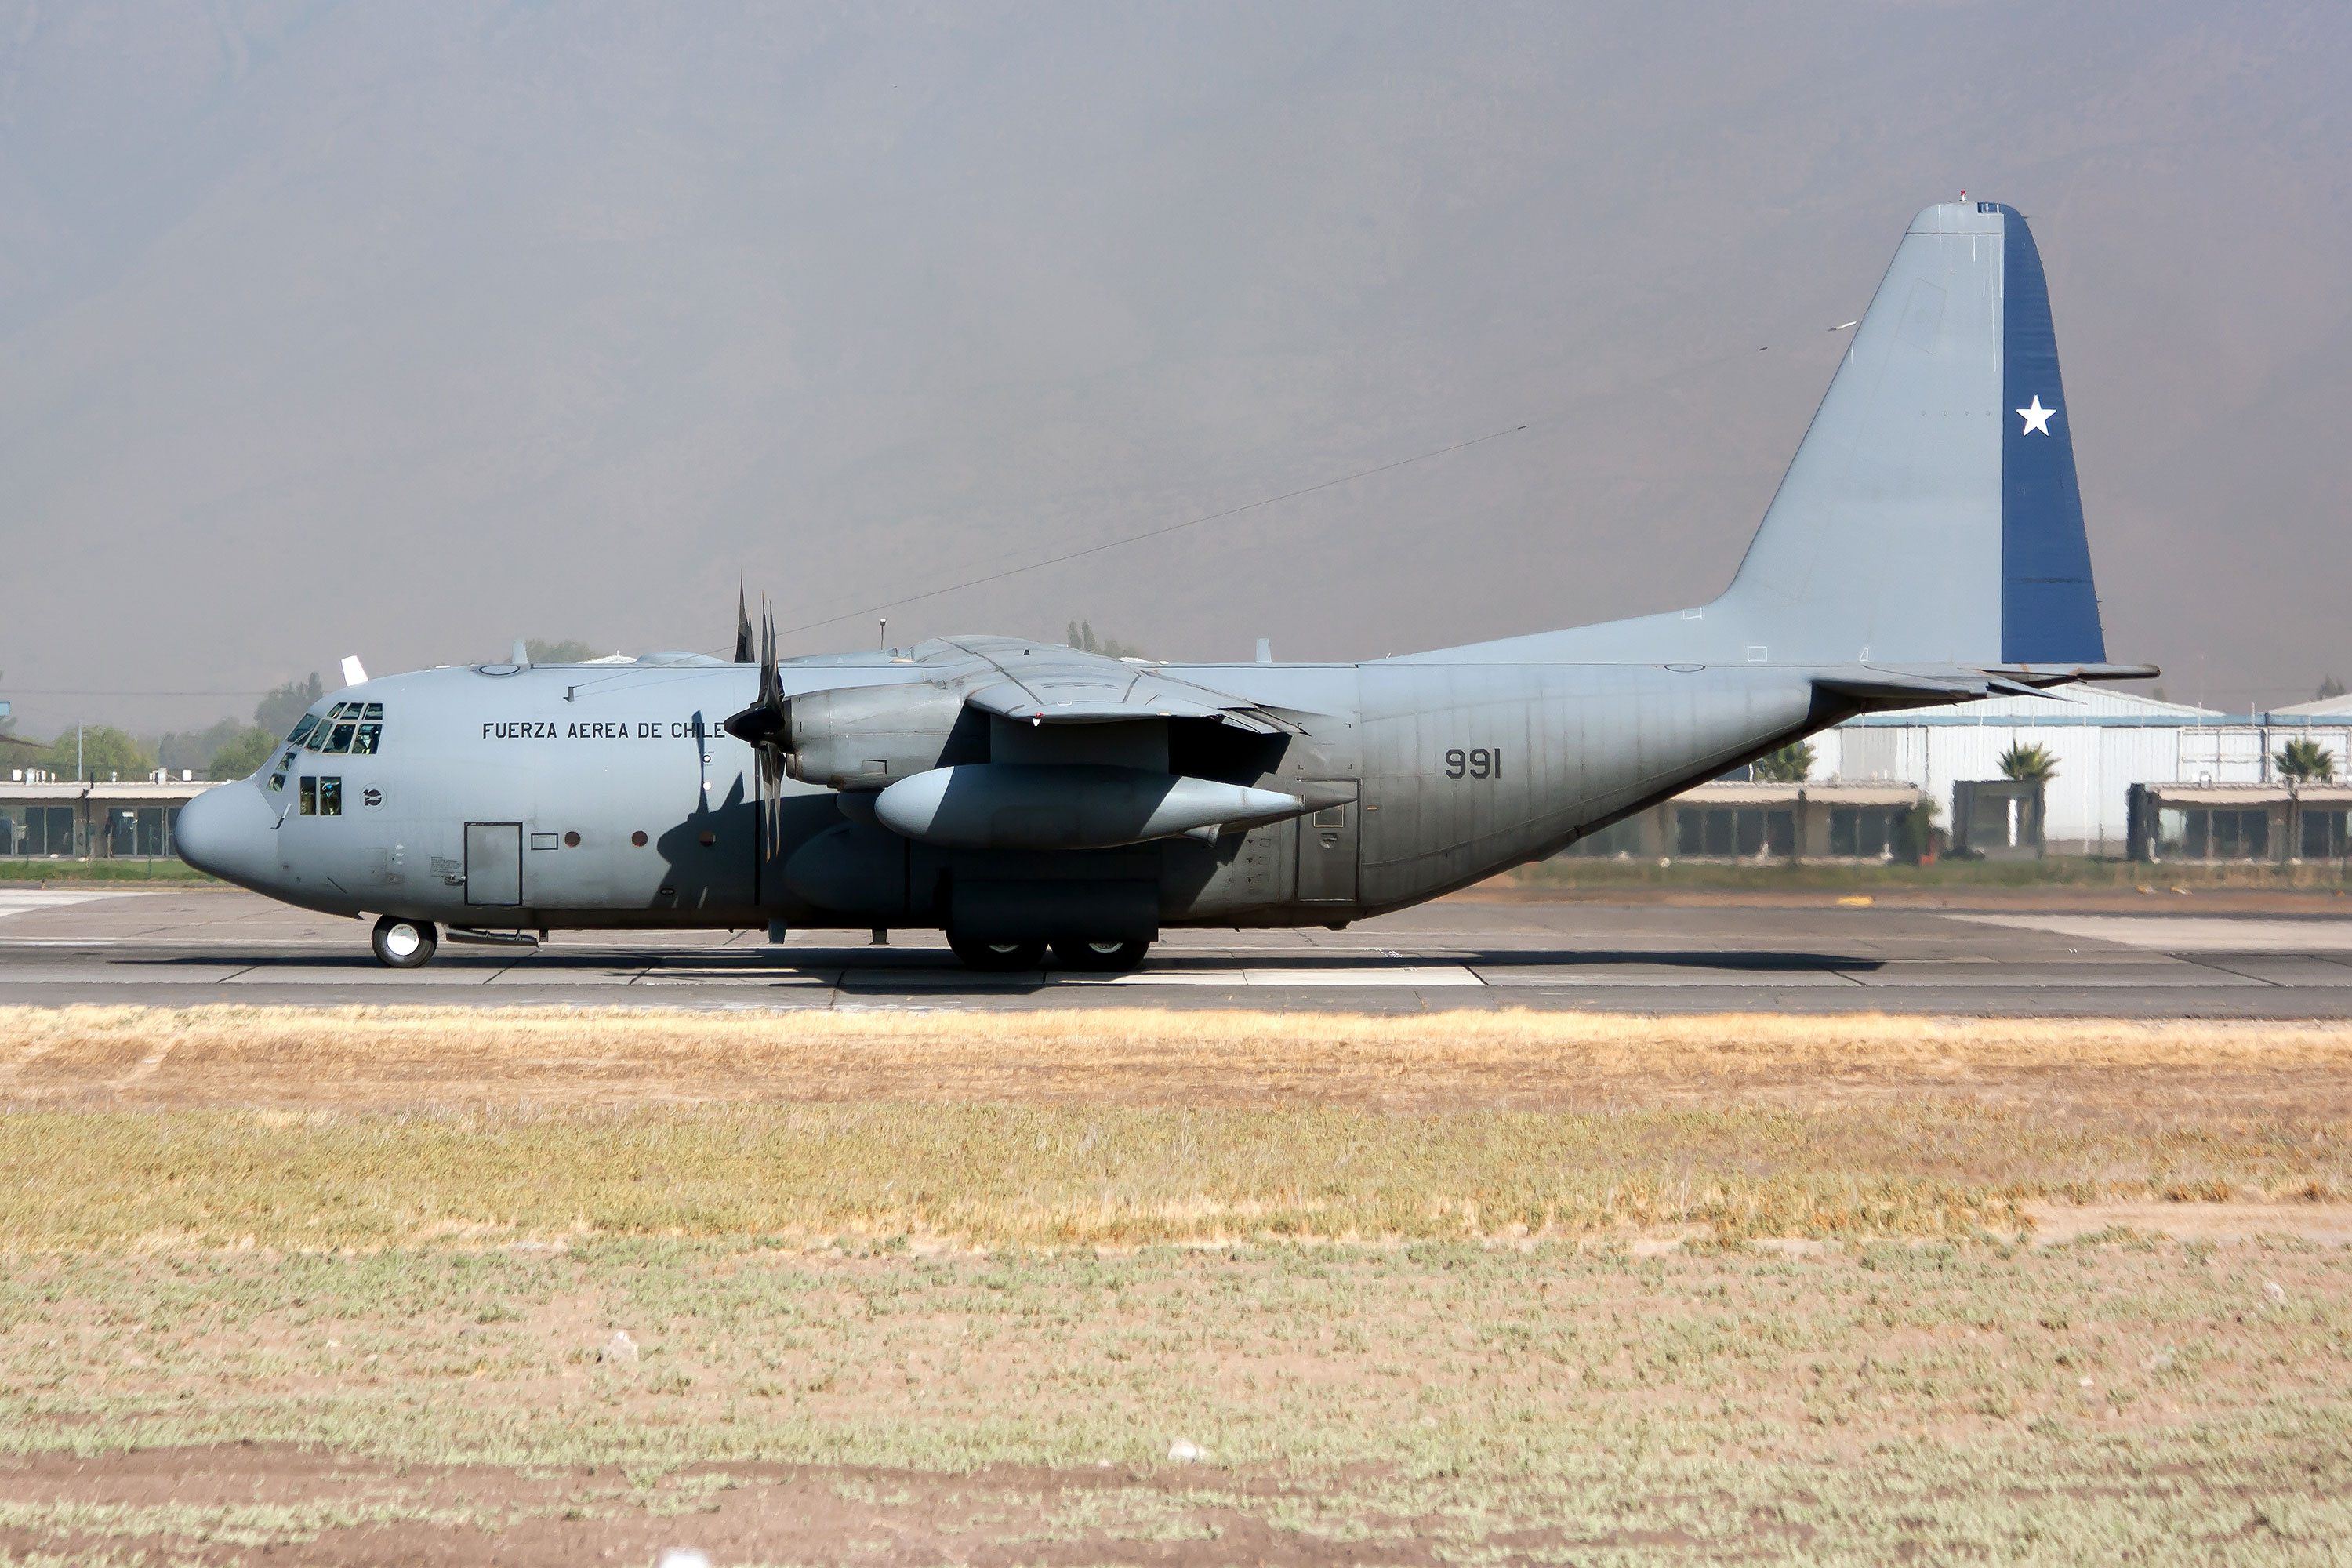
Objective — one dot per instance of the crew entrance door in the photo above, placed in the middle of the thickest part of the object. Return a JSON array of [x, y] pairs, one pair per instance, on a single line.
[[494, 863], [1327, 851]]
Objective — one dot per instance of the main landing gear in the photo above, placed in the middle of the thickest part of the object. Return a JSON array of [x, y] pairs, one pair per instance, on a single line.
[[1006, 957], [1103, 957], [405, 943]]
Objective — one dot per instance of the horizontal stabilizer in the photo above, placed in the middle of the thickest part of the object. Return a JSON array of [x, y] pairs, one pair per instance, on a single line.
[[1876, 687]]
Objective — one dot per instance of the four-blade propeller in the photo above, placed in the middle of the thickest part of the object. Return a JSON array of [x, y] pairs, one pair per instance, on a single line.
[[766, 726]]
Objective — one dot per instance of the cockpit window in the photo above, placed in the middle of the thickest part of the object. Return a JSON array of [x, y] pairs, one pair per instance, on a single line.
[[353, 727]]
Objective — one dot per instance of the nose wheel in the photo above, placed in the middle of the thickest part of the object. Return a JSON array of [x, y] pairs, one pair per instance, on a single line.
[[405, 943]]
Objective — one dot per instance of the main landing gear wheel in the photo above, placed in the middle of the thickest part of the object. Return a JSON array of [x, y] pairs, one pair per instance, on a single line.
[[999, 957], [1106, 957], [405, 943]]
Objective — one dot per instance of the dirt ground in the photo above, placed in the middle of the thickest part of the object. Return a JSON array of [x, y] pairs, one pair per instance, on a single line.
[[391, 1286], [2125, 1396]]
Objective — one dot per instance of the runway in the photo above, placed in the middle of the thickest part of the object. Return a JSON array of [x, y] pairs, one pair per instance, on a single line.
[[196, 946]]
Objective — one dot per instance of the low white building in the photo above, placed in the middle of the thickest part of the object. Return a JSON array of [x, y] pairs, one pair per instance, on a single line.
[[2104, 741]]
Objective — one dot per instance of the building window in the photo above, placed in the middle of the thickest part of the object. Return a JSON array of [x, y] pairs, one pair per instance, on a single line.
[[46, 830], [2192, 833], [1617, 838], [1728, 832], [1862, 831], [2323, 834]]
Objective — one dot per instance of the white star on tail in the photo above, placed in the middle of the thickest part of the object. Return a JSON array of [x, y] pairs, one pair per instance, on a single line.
[[2036, 418]]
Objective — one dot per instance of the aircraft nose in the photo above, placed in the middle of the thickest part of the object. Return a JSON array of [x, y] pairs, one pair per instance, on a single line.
[[225, 831]]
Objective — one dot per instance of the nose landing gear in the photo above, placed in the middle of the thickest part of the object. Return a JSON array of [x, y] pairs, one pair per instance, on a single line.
[[405, 943]]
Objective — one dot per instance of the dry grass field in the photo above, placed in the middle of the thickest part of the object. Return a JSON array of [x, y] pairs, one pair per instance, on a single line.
[[916, 1288]]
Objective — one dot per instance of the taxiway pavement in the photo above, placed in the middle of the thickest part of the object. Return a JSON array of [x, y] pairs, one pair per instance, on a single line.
[[193, 946]]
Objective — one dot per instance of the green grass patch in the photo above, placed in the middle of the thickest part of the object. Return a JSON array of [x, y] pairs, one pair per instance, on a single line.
[[71, 872], [2086, 872]]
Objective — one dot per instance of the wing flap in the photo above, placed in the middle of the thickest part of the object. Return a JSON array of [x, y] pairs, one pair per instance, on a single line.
[[1081, 699]]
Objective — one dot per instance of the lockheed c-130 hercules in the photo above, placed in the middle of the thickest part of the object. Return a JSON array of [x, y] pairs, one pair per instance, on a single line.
[[1925, 546]]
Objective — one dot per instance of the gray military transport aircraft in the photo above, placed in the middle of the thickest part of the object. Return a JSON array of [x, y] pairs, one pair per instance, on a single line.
[[1927, 546]]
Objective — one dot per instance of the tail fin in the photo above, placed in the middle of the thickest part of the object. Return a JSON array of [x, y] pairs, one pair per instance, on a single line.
[[1931, 513]]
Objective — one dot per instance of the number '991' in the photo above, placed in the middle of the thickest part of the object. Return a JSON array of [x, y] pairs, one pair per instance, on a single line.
[[1477, 762]]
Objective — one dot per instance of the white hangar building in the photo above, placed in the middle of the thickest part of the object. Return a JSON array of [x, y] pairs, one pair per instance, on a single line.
[[2137, 779], [2104, 742]]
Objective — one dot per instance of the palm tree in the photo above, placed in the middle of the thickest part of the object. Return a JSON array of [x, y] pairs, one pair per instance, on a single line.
[[1792, 763], [2029, 764], [2305, 762]]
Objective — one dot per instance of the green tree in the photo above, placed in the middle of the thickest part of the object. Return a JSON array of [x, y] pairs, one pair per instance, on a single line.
[[570, 650], [103, 751], [2029, 764], [182, 749], [278, 712], [2305, 762], [241, 754], [1082, 637], [1792, 763], [1914, 831], [2330, 687]]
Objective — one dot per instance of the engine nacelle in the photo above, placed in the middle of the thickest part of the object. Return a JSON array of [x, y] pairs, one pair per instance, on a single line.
[[1024, 805], [863, 737]]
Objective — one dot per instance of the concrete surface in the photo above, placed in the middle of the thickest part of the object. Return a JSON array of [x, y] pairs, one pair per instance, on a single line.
[[186, 947]]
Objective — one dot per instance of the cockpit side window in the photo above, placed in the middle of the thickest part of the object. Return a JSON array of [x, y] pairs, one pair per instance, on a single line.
[[353, 727]]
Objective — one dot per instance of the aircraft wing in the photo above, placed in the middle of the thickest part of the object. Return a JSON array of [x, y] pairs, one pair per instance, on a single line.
[[1045, 685]]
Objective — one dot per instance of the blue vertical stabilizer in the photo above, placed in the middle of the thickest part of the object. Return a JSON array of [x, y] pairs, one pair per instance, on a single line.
[[2049, 609]]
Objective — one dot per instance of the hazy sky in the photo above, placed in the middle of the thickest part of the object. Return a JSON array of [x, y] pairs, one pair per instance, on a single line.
[[404, 331]]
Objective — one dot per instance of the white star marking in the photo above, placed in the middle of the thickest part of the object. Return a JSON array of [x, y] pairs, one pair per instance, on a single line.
[[2036, 418]]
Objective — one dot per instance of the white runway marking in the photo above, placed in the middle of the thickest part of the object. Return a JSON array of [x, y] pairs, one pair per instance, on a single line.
[[1446, 975], [2188, 934], [16, 902]]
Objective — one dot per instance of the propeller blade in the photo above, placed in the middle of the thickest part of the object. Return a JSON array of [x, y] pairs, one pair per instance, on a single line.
[[765, 726], [742, 628]]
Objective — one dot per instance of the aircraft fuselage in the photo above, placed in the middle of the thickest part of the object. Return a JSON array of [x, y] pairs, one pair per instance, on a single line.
[[505, 798]]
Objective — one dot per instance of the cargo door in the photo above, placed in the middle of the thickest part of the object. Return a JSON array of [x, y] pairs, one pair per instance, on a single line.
[[494, 863], [1327, 849]]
